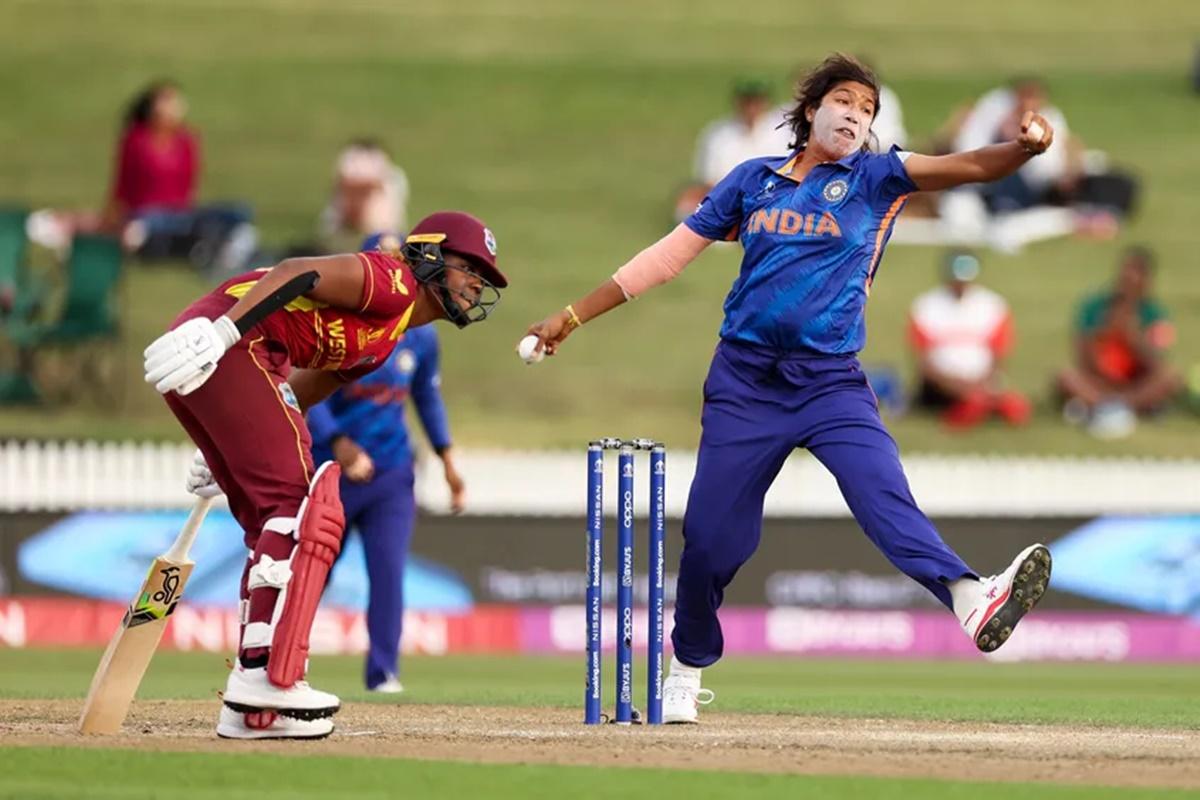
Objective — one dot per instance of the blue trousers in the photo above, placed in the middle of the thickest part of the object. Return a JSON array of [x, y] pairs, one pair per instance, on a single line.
[[759, 406], [383, 511]]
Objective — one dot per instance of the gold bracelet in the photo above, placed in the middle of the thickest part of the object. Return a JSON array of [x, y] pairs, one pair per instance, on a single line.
[[575, 321]]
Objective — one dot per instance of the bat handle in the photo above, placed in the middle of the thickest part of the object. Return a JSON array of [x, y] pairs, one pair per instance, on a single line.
[[183, 542]]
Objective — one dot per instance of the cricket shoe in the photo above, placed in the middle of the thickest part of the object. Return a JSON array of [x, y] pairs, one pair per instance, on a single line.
[[1005, 598], [269, 725], [682, 698], [389, 686], [249, 690]]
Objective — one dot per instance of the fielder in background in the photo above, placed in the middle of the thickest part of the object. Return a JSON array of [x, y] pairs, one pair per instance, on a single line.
[[813, 226], [361, 426], [240, 387]]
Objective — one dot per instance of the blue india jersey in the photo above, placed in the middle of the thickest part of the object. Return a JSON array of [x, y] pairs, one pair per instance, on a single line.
[[811, 249], [371, 410]]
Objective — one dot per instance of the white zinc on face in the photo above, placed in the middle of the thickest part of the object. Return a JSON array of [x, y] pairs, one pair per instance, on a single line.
[[841, 124]]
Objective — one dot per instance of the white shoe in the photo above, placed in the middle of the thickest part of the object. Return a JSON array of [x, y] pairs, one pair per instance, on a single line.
[[249, 690], [1005, 598], [270, 725], [390, 686], [682, 698]]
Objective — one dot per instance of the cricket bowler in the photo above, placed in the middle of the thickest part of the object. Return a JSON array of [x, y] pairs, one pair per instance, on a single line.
[[813, 225]]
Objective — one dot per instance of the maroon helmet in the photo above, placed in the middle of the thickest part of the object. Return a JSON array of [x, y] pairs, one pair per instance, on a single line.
[[465, 235]]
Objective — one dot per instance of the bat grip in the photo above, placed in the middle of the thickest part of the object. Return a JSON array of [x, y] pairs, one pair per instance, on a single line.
[[297, 286], [178, 553]]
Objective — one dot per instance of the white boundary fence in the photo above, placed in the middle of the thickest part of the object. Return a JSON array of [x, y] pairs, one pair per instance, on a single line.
[[59, 476]]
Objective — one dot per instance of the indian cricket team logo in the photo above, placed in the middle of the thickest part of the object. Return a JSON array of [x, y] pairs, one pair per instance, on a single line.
[[489, 240], [835, 191], [289, 396]]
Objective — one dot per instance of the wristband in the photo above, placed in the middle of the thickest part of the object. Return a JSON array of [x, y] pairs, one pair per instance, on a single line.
[[227, 330], [576, 322]]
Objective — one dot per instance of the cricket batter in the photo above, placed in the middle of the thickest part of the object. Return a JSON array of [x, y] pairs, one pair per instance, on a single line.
[[813, 226], [361, 426], [241, 399]]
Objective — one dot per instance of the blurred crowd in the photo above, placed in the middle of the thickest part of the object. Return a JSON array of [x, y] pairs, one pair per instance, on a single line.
[[1068, 190], [151, 212], [151, 206], [960, 332]]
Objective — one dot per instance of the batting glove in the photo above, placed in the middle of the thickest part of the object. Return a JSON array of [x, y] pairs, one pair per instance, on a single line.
[[199, 478], [181, 360]]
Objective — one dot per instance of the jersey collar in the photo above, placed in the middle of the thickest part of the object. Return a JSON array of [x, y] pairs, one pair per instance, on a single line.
[[784, 166]]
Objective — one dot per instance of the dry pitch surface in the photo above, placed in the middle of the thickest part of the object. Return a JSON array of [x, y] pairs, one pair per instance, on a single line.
[[740, 742]]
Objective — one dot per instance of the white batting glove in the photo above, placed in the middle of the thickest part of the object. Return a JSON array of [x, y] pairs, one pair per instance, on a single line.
[[199, 478], [181, 360]]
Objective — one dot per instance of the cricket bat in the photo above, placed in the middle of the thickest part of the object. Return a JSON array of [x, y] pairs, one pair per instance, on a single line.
[[128, 655]]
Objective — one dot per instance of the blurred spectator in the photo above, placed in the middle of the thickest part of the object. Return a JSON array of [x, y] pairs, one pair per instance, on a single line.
[[158, 157], [152, 200], [1066, 190], [961, 334], [753, 130], [996, 117], [370, 196], [154, 189], [1019, 201], [1120, 370], [888, 126]]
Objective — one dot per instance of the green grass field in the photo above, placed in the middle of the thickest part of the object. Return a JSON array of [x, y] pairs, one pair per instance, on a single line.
[[1086, 694], [568, 126], [37, 773], [1147, 697]]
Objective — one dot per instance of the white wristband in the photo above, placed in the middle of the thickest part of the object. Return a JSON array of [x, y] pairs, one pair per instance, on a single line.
[[227, 330]]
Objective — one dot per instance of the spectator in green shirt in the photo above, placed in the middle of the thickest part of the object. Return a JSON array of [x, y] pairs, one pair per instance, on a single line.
[[1121, 338]]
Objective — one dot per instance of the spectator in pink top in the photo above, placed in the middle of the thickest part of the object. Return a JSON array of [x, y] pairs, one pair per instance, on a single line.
[[158, 156], [152, 203], [154, 189]]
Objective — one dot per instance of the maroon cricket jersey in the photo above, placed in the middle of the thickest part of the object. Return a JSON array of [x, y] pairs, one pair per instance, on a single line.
[[319, 336]]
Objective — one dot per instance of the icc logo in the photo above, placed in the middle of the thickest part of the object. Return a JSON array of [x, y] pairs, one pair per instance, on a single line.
[[835, 191], [627, 472], [660, 468], [599, 466]]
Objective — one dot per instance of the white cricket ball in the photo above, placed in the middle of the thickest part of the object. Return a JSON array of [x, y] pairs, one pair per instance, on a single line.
[[1036, 131], [526, 350]]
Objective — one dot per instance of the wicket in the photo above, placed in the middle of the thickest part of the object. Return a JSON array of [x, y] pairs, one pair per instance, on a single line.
[[595, 563]]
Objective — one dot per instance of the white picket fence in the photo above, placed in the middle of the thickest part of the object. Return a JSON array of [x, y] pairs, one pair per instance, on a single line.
[[53, 476], [58, 476]]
